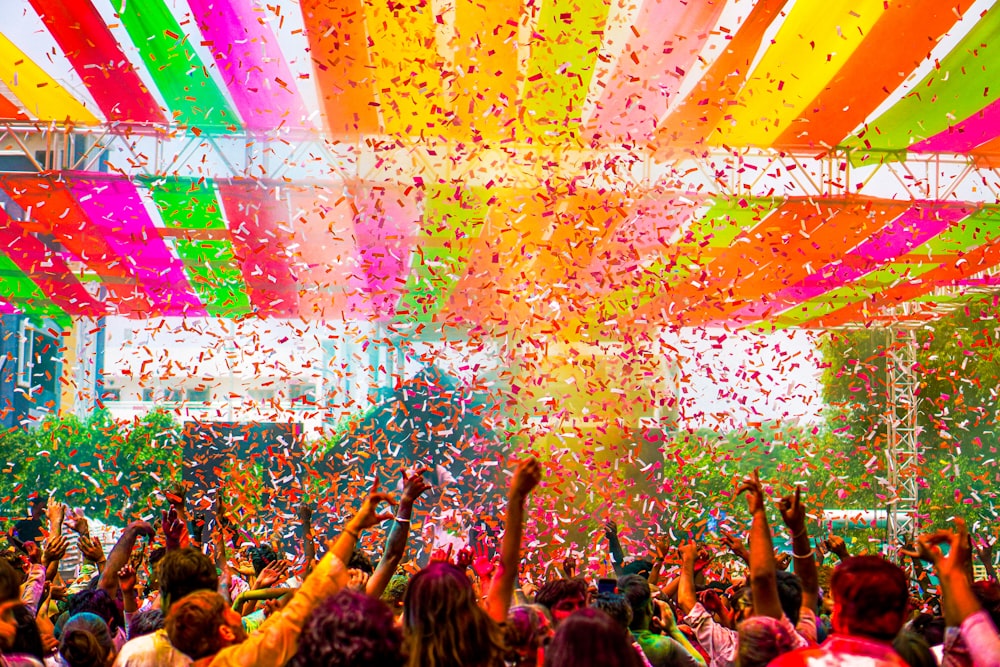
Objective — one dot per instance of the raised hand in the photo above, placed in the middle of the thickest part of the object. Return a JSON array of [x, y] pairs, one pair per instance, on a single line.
[[793, 511], [174, 530], [610, 528], [127, 579], [274, 573], [755, 493], [414, 486], [368, 515], [736, 546], [55, 511], [304, 512], [960, 551], [569, 567], [357, 580], [464, 558], [837, 546], [782, 560], [55, 549], [482, 564], [91, 549], [688, 552], [77, 522], [176, 495], [440, 555], [526, 478]]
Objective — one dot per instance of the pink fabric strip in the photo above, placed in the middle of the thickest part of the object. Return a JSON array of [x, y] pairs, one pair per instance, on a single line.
[[669, 35], [112, 205], [385, 227], [974, 131], [251, 63], [262, 244], [921, 222]]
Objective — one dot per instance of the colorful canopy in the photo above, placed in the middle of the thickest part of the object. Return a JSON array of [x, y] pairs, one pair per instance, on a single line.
[[867, 79]]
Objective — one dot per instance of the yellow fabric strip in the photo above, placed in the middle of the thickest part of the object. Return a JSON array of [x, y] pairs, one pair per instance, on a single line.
[[812, 44], [42, 97]]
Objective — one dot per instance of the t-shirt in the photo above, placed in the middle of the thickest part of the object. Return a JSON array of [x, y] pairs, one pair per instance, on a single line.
[[842, 651], [29, 530], [663, 651], [152, 650]]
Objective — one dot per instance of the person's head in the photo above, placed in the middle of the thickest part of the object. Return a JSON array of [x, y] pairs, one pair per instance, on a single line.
[[741, 602], [28, 638], [590, 638], [988, 594], [870, 597], [86, 641], [914, 650], [615, 606], [443, 622], [361, 561], [38, 503], [350, 629], [202, 624], [527, 631], [182, 572], [261, 557], [10, 581], [395, 591], [635, 589], [640, 567], [19, 565], [762, 639], [790, 595], [96, 601], [562, 597], [145, 622]]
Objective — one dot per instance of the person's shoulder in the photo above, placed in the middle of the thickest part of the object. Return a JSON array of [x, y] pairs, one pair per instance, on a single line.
[[141, 650], [799, 657]]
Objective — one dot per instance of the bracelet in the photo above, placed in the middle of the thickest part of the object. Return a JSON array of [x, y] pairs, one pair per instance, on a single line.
[[800, 533], [400, 519], [354, 534], [811, 554]]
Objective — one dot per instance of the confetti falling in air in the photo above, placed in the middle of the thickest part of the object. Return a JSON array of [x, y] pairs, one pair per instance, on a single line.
[[284, 249]]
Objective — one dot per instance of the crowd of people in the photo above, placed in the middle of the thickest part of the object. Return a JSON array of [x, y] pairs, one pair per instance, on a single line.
[[190, 591]]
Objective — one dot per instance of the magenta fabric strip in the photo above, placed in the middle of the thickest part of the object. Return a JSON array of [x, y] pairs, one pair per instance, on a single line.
[[918, 224], [46, 269], [253, 68], [974, 131], [385, 228], [112, 205]]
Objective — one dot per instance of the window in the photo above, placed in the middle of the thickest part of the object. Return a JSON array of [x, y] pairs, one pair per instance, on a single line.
[[199, 395], [304, 393], [262, 395]]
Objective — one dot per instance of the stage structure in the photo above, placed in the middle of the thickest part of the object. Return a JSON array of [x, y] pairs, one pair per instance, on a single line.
[[575, 170]]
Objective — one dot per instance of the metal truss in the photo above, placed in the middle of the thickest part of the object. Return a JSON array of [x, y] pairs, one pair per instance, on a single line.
[[902, 448], [307, 158]]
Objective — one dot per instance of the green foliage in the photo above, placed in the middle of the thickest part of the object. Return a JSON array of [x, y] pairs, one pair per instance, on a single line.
[[957, 374], [109, 468]]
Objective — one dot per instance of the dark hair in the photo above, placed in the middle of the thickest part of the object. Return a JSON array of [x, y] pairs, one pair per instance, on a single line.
[[10, 581], [79, 648], [590, 638], [184, 571], [360, 561], [86, 641], [635, 589], [615, 606], [15, 561], [790, 595], [930, 627], [350, 629], [28, 639], [914, 650], [444, 624], [555, 590], [261, 557], [193, 624], [527, 629], [988, 594], [871, 595], [145, 622], [97, 602], [638, 567]]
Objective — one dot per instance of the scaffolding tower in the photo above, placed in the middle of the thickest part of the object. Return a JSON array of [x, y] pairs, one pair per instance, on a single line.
[[902, 449]]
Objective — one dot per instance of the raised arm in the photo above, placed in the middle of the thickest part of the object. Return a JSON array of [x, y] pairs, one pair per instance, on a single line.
[[395, 546], [308, 539], [614, 546], [526, 478], [121, 553], [793, 513], [686, 598], [763, 571]]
